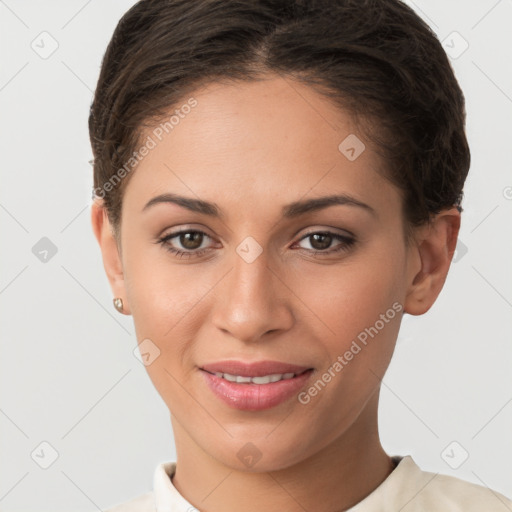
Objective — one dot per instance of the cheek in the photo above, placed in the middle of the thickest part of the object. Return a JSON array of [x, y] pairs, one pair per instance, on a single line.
[[164, 300], [158, 289], [358, 305], [350, 297], [362, 310]]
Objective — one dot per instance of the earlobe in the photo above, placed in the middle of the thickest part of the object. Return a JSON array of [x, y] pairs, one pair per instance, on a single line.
[[429, 261], [111, 256]]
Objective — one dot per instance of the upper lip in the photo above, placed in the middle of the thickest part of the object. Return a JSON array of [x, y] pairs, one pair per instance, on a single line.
[[253, 369]]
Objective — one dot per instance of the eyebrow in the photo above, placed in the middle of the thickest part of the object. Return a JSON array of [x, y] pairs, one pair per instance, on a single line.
[[289, 211]]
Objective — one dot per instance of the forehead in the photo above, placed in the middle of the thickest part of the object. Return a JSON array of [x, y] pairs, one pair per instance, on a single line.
[[246, 143]]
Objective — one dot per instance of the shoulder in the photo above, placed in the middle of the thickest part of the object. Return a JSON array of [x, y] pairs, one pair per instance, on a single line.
[[459, 495], [143, 503], [420, 490]]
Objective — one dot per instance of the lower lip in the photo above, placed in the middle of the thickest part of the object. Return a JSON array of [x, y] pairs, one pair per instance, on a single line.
[[255, 397]]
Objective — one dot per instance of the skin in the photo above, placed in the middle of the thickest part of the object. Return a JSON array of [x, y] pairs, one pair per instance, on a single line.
[[252, 148]]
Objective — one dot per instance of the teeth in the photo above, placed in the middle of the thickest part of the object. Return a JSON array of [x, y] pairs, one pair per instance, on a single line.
[[265, 379]]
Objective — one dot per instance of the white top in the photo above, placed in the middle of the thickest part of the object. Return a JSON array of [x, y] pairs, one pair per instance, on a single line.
[[407, 488]]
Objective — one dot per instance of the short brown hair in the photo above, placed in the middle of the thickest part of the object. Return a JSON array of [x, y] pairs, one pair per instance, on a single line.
[[374, 58]]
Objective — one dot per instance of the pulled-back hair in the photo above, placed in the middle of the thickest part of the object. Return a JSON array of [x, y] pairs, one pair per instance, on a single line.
[[376, 59]]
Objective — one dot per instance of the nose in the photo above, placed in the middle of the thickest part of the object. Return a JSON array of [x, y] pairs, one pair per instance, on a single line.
[[252, 301]]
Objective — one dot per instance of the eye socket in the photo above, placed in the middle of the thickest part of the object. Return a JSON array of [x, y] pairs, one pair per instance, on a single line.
[[191, 244], [324, 239]]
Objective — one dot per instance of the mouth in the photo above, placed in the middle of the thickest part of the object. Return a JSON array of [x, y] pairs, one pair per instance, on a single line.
[[255, 386], [264, 379]]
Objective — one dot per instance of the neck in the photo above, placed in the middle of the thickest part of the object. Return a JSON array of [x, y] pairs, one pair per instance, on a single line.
[[333, 479]]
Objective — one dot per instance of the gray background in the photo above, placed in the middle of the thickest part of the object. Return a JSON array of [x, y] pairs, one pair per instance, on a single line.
[[68, 374]]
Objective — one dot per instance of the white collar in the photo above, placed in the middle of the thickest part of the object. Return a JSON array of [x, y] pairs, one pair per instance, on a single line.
[[168, 499], [407, 488]]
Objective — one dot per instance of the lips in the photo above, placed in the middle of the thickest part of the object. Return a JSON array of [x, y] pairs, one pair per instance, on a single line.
[[255, 369], [255, 386]]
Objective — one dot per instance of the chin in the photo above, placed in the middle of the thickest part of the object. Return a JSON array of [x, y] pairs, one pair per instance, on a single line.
[[253, 454]]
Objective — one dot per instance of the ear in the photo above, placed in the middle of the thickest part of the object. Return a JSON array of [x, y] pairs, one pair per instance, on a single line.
[[429, 260], [110, 251]]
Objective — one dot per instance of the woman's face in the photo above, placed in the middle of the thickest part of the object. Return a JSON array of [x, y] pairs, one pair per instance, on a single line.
[[255, 283]]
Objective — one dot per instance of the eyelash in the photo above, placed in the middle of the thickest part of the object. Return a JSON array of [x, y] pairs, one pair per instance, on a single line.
[[348, 242]]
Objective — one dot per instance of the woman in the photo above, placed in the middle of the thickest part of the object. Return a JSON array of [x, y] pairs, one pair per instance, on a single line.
[[276, 183]]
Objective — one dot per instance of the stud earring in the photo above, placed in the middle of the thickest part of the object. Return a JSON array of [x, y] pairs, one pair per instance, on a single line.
[[118, 304]]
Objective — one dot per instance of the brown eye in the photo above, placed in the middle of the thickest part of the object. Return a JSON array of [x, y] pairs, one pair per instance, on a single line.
[[186, 243], [191, 240], [320, 241], [325, 242]]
